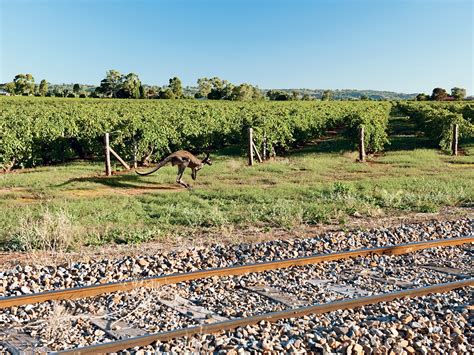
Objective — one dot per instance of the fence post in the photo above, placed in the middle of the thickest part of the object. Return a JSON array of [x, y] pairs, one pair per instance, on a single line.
[[361, 144], [135, 150], [454, 143], [108, 168], [264, 153], [272, 153], [250, 146]]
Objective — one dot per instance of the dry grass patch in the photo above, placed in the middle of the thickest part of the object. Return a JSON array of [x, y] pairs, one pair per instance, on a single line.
[[51, 232]]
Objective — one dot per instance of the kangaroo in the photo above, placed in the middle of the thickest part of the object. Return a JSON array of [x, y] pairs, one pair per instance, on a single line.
[[183, 159]]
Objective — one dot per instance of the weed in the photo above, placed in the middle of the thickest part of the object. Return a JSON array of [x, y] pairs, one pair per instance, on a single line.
[[52, 231], [340, 189]]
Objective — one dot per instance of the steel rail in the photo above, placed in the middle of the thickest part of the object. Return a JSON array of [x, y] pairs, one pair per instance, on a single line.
[[156, 281], [148, 339]]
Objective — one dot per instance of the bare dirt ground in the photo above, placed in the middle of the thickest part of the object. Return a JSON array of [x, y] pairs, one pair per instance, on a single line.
[[24, 195], [226, 236]]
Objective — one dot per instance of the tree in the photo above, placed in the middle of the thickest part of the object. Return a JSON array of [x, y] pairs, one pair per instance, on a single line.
[[458, 93], [167, 93], [204, 87], [221, 89], [152, 92], [130, 87], [242, 92], [306, 97], [257, 93], [277, 95], [364, 98], [422, 97], [24, 84], [141, 89], [327, 95], [76, 88], [439, 94], [10, 88], [111, 84], [58, 93], [226, 91], [218, 83], [176, 87], [294, 95], [43, 88]]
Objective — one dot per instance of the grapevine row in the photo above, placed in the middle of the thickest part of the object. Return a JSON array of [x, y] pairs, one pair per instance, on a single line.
[[36, 131], [436, 119]]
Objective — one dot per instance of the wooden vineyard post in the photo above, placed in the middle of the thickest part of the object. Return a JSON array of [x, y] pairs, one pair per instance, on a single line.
[[272, 153], [250, 146], [108, 150], [264, 152], [135, 150], [454, 143], [361, 144], [108, 168]]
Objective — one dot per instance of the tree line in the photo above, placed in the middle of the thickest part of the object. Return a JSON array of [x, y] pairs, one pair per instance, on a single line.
[[440, 94], [117, 85], [129, 86]]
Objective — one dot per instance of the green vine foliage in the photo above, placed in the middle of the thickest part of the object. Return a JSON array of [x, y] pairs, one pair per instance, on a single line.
[[375, 122], [37, 131], [436, 119]]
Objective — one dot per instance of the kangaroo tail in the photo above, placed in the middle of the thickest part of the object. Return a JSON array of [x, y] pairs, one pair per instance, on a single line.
[[159, 165]]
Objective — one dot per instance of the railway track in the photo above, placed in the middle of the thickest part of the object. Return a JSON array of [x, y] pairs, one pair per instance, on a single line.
[[282, 289], [90, 291], [144, 340]]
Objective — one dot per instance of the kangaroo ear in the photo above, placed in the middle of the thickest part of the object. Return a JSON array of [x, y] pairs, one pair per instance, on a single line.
[[207, 160]]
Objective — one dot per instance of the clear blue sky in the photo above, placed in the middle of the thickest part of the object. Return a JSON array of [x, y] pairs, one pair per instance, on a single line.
[[405, 46]]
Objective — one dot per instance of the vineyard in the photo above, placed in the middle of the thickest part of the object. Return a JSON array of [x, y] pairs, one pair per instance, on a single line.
[[436, 120], [40, 131]]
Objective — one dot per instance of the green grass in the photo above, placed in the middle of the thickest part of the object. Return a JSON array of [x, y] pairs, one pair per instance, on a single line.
[[320, 183]]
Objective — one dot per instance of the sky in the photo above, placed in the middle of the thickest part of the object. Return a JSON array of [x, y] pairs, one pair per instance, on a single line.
[[405, 46]]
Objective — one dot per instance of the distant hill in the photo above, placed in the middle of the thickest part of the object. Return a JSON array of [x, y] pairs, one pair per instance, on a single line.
[[352, 94], [344, 94]]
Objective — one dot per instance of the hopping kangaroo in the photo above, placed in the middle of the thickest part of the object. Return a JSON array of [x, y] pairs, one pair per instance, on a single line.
[[183, 159]]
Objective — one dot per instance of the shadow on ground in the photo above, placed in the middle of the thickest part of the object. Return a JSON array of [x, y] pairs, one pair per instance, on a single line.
[[132, 182], [403, 135]]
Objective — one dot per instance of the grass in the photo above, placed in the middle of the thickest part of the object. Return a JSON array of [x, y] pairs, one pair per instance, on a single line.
[[321, 183], [50, 232]]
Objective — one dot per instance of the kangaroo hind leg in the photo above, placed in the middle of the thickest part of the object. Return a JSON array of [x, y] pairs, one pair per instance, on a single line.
[[179, 180]]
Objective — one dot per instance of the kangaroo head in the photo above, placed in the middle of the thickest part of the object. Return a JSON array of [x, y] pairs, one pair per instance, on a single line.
[[207, 160]]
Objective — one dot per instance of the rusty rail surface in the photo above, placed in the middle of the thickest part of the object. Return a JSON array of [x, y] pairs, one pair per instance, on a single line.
[[156, 281], [148, 339]]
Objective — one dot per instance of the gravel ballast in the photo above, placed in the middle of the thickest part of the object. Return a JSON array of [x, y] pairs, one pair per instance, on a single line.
[[228, 296], [388, 326], [24, 279], [441, 323]]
